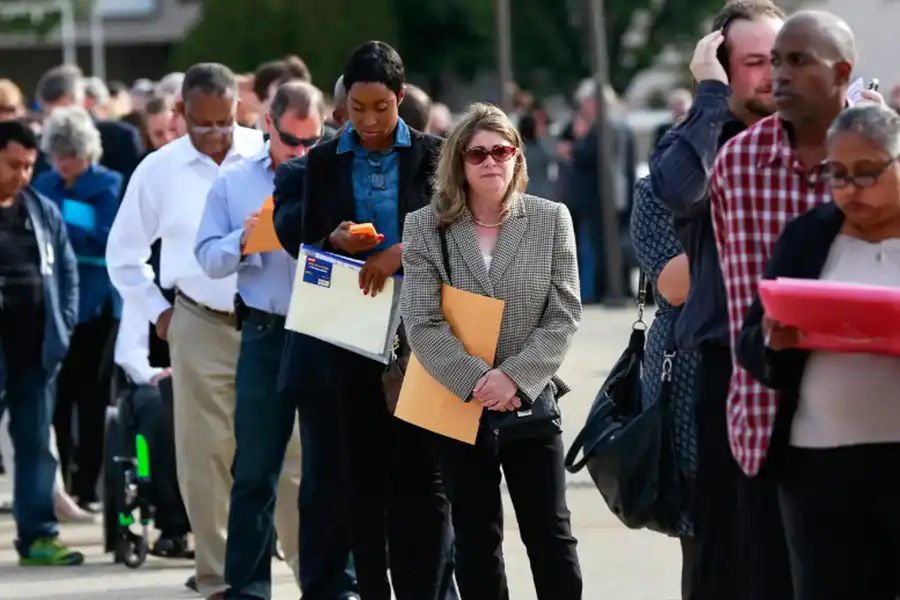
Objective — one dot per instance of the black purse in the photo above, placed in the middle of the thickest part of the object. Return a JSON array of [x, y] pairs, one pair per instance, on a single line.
[[629, 450], [540, 419]]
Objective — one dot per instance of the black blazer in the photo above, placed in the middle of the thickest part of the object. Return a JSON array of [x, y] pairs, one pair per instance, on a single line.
[[328, 188], [325, 184], [800, 253], [123, 147]]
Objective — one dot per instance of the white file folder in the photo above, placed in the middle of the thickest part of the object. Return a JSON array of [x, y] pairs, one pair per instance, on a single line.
[[327, 304]]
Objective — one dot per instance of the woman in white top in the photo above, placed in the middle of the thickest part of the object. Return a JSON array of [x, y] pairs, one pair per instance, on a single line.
[[837, 432]]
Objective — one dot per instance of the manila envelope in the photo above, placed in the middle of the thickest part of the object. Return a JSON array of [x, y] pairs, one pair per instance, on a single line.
[[475, 320], [263, 237]]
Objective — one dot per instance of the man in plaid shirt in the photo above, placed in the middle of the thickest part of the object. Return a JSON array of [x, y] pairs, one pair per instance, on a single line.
[[762, 179]]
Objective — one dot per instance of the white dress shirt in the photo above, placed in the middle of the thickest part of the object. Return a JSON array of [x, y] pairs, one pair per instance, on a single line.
[[133, 346], [164, 201]]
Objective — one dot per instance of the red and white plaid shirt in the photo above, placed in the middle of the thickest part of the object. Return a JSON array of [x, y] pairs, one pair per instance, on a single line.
[[758, 185]]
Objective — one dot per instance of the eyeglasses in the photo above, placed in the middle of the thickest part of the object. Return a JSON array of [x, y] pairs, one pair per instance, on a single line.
[[216, 128], [292, 141], [840, 179], [479, 154]]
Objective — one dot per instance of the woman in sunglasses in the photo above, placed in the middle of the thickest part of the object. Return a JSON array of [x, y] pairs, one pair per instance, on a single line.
[[519, 248], [838, 412]]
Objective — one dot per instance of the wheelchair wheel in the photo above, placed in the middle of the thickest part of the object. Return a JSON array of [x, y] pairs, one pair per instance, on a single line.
[[134, 550], [113, 484]]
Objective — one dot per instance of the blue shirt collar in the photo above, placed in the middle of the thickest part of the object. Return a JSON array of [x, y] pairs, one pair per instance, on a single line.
[[263, 157], [349, 141]]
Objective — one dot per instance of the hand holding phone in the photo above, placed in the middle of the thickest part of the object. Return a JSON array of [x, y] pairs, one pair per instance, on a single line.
[[705, 65]]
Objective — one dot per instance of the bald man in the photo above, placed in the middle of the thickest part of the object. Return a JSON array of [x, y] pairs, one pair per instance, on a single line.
[[761, 180]]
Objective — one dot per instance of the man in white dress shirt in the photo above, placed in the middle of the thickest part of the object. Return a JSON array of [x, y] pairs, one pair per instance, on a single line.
[[165, 201]]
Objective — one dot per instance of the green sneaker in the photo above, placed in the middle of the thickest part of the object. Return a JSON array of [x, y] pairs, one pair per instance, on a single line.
[[49, 552]]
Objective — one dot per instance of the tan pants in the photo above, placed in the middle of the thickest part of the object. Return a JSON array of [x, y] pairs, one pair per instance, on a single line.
[[204, 350]]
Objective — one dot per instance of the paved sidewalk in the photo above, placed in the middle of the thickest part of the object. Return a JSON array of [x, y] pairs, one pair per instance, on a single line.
[[618, 564]]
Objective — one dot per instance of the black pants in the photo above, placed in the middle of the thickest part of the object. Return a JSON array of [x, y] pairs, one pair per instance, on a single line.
[[148, 411], [537, 487], [399, 512], [84, 382], [841, 514], [739, 548]]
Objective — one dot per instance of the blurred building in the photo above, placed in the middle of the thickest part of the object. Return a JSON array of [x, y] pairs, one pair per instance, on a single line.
[[139, 37]]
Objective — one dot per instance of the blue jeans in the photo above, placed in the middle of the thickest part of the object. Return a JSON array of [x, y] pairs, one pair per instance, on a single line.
[[30, 401], [587, 260], [263, 424]]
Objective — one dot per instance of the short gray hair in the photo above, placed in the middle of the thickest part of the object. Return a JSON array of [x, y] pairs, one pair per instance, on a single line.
[[340, 92], [875, 122], [298, 97], [60, 82], [96, 90], [170, 85], [214, 79], [70, 131]]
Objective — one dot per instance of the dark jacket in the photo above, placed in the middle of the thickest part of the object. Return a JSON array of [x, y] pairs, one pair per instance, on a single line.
[[800, 253], [680, 169], [123, 147], [60, 274], [327, 200], [100, 188]]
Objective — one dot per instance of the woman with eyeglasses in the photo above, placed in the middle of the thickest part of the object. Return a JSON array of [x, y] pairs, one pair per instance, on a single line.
[[837, 432], [505, 244]]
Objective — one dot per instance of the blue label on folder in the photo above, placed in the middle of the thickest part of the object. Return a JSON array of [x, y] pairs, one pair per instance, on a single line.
[[79, 214], [317, 272]]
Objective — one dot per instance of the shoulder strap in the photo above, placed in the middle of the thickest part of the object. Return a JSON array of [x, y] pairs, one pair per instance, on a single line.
[[445, 254]]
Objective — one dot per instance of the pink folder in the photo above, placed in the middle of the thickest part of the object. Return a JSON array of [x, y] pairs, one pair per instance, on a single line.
[[836, 317]]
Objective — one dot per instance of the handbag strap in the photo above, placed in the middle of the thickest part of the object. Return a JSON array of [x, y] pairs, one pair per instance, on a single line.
[[445, 254], [641, 302]]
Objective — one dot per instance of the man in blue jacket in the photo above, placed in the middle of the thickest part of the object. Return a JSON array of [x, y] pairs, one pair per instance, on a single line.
[[38, 310]]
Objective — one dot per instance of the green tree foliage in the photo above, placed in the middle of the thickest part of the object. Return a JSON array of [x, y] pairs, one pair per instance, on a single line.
[[550, 38], [243, 34]]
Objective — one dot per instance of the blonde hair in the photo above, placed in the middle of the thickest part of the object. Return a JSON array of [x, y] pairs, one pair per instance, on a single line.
[[11, 93], [451, 187]]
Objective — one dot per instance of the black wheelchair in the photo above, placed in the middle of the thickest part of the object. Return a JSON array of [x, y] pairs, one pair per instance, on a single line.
[[130, 487]]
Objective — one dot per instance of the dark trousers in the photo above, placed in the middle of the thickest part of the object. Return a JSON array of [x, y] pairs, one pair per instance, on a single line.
[[715, 573], [83, 382], [739, 547], [840, 508], [326, 569], [263, 424], [29, 399], [399, 514], [537, 487], [148, 411]]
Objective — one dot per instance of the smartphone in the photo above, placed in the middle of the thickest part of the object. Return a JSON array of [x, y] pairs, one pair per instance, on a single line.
[[873, 85]]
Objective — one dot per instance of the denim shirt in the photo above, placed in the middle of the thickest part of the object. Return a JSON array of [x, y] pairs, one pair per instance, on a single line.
[[680, 170], [376, 183], [100, 189], [60, 282]]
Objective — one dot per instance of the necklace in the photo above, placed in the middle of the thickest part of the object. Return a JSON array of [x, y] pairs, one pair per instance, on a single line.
[[488, 225]]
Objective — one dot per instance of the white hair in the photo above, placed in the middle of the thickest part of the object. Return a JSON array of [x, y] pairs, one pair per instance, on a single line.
[[70, 131], [96, 90], [586, 90], [875, 122], [170, 84]]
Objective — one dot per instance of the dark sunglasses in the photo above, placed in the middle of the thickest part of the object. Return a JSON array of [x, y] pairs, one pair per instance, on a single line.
[[479, 154], [839, 178], [293, 141]]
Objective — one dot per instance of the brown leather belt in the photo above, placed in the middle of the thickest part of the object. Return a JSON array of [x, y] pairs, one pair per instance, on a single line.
[[222, 314]]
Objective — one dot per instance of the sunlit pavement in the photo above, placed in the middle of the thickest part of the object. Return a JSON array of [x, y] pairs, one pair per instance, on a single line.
[[618, 564]]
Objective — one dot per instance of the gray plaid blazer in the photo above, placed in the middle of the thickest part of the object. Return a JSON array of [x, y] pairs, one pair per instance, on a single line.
[[534, 270]]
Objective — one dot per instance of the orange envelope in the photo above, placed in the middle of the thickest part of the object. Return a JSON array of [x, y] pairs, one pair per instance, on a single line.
[[263, 237], [423, 401]]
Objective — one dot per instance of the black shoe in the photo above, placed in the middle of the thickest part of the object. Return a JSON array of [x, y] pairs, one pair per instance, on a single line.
[[6, 508], [191, 584], [171, 546], [93, 507]]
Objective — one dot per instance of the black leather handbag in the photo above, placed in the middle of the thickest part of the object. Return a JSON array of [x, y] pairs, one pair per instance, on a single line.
[[537, 420], [628, 449]]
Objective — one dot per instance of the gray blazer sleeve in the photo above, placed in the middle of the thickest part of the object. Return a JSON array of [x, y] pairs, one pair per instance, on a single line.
[[440, 352], [547, 346]]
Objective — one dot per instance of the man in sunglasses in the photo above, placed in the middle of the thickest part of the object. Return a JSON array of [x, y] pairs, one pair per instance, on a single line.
[[267, 459]]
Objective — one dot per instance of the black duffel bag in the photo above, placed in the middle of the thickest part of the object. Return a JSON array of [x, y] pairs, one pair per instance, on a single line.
[[629, 450]]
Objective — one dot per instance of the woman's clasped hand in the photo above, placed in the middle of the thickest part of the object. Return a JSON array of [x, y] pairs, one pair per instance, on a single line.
[[496, 391]]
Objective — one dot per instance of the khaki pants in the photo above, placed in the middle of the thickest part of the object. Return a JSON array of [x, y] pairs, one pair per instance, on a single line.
[[204, 348]]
